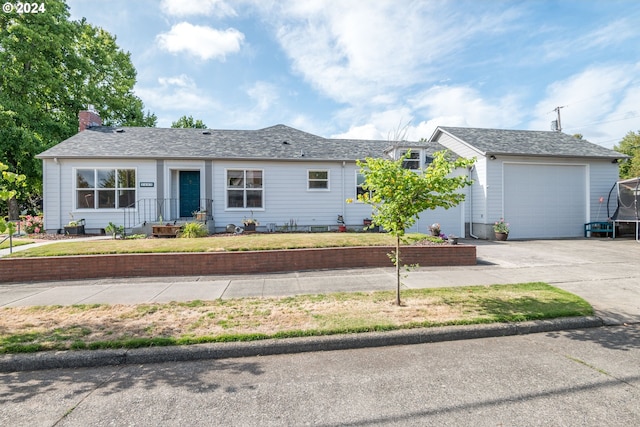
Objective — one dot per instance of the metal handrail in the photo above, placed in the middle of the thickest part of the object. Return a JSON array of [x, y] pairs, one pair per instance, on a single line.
[[155, 210]]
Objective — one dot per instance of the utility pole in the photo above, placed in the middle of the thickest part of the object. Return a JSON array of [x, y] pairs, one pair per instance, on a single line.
[[559, 125]]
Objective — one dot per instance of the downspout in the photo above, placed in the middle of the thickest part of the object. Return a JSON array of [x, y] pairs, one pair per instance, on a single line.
[[59, 165], [470, 169], [344, 199]]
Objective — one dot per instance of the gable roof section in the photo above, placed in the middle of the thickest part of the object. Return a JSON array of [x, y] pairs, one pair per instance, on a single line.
[[277, 142], [526, 143]]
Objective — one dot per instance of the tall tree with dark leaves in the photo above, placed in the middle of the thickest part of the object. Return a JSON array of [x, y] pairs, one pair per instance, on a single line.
[[188, 122], [50, 68], [630, 145]]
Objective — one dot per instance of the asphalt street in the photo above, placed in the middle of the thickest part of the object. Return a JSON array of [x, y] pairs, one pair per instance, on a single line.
[[582, 377]]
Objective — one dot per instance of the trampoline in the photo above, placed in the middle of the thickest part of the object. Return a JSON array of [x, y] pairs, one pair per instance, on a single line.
[[628, 204]]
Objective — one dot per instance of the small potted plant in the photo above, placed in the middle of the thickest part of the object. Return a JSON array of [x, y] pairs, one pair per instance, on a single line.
[[250, 224], [74, 227], [341, 226], [435, 229], [501, 228], [200, 215]]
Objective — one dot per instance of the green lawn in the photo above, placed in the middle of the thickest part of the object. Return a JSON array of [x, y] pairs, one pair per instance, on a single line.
[[243, 242], [30, 329], [16, 242]]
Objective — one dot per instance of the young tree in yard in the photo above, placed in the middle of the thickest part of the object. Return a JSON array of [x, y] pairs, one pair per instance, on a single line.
[[398, 195], [9, 184]]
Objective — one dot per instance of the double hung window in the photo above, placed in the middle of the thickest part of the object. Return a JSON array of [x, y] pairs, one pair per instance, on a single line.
[[413, 162], [245, 189], [318, 180]]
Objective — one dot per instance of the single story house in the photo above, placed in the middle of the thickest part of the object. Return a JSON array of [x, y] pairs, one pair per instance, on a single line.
[[543, 183]]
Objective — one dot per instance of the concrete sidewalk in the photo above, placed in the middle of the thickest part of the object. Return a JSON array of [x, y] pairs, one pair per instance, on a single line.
[[605, 272]]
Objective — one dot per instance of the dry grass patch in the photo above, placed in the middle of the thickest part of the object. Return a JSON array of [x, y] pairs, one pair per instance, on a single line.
[[245, 242], [100, 326]]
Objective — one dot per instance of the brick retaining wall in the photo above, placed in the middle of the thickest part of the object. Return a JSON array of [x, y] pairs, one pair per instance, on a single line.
[[211, 263]]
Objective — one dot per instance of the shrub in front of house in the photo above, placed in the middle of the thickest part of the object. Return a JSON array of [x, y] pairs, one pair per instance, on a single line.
[[33, 224], [192, 230]]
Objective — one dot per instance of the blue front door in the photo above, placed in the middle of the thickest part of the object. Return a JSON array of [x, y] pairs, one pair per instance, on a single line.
[[189, 192]]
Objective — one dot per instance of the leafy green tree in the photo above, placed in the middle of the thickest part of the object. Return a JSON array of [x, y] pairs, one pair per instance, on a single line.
[[188, 122], [51, 68], [630, 145], [10, 182], [398, 195]]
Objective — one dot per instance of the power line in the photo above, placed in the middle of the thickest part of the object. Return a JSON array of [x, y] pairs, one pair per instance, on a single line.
[[636, 115]]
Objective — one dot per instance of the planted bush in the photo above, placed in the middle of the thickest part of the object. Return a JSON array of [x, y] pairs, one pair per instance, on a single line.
[[192, 230]]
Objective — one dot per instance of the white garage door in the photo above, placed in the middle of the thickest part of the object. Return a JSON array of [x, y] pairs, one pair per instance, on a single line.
[[545, 201]]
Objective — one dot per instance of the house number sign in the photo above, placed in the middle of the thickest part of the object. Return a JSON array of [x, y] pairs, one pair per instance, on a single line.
[[146, 184]]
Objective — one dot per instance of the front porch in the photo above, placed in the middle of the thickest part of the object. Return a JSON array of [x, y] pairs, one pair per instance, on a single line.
[[140, 217]]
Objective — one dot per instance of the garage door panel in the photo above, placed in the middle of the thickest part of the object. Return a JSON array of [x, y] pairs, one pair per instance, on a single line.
[[545, 201]]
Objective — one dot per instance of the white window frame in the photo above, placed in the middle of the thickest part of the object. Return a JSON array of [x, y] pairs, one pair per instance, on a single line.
[[357, 186], [244, 188], [96, 189], [327, 180], [416, 158]]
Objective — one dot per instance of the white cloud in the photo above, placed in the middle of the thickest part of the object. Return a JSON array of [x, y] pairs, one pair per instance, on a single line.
[[608, 36], [181, 81], [367, 131], [356, 51], [197, 7], [176, 95], [201, 41], [601, 103], [263, 94]]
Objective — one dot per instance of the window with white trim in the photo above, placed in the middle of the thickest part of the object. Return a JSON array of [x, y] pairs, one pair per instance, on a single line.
[[318, 180], [105, 188], [413, 162], [245, 189], [359, 183]]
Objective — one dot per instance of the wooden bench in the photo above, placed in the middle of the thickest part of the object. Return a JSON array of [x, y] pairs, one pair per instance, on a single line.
[[598, 227]]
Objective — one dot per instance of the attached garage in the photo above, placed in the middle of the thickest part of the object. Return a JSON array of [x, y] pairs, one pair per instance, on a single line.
[[545, 200], [544, 184]]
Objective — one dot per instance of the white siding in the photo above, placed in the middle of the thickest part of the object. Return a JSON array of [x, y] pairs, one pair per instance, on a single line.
[[602, 176], [458, 147], [286, 197], [60, 194], [52, 199], [478, 193]]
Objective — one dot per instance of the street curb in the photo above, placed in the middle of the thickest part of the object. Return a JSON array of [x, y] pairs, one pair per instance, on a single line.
[[96, 358]]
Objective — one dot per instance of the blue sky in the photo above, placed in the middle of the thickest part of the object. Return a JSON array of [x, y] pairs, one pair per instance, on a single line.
[[365, 69]]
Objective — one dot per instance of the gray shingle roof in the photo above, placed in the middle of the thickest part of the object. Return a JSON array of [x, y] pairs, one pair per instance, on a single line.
[[277, 142], [528, 143]]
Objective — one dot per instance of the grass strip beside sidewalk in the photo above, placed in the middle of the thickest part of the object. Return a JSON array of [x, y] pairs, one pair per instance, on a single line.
[[32, 329]]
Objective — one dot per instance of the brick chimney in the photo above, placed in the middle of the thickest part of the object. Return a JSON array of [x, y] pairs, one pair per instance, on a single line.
[[88, 118]]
